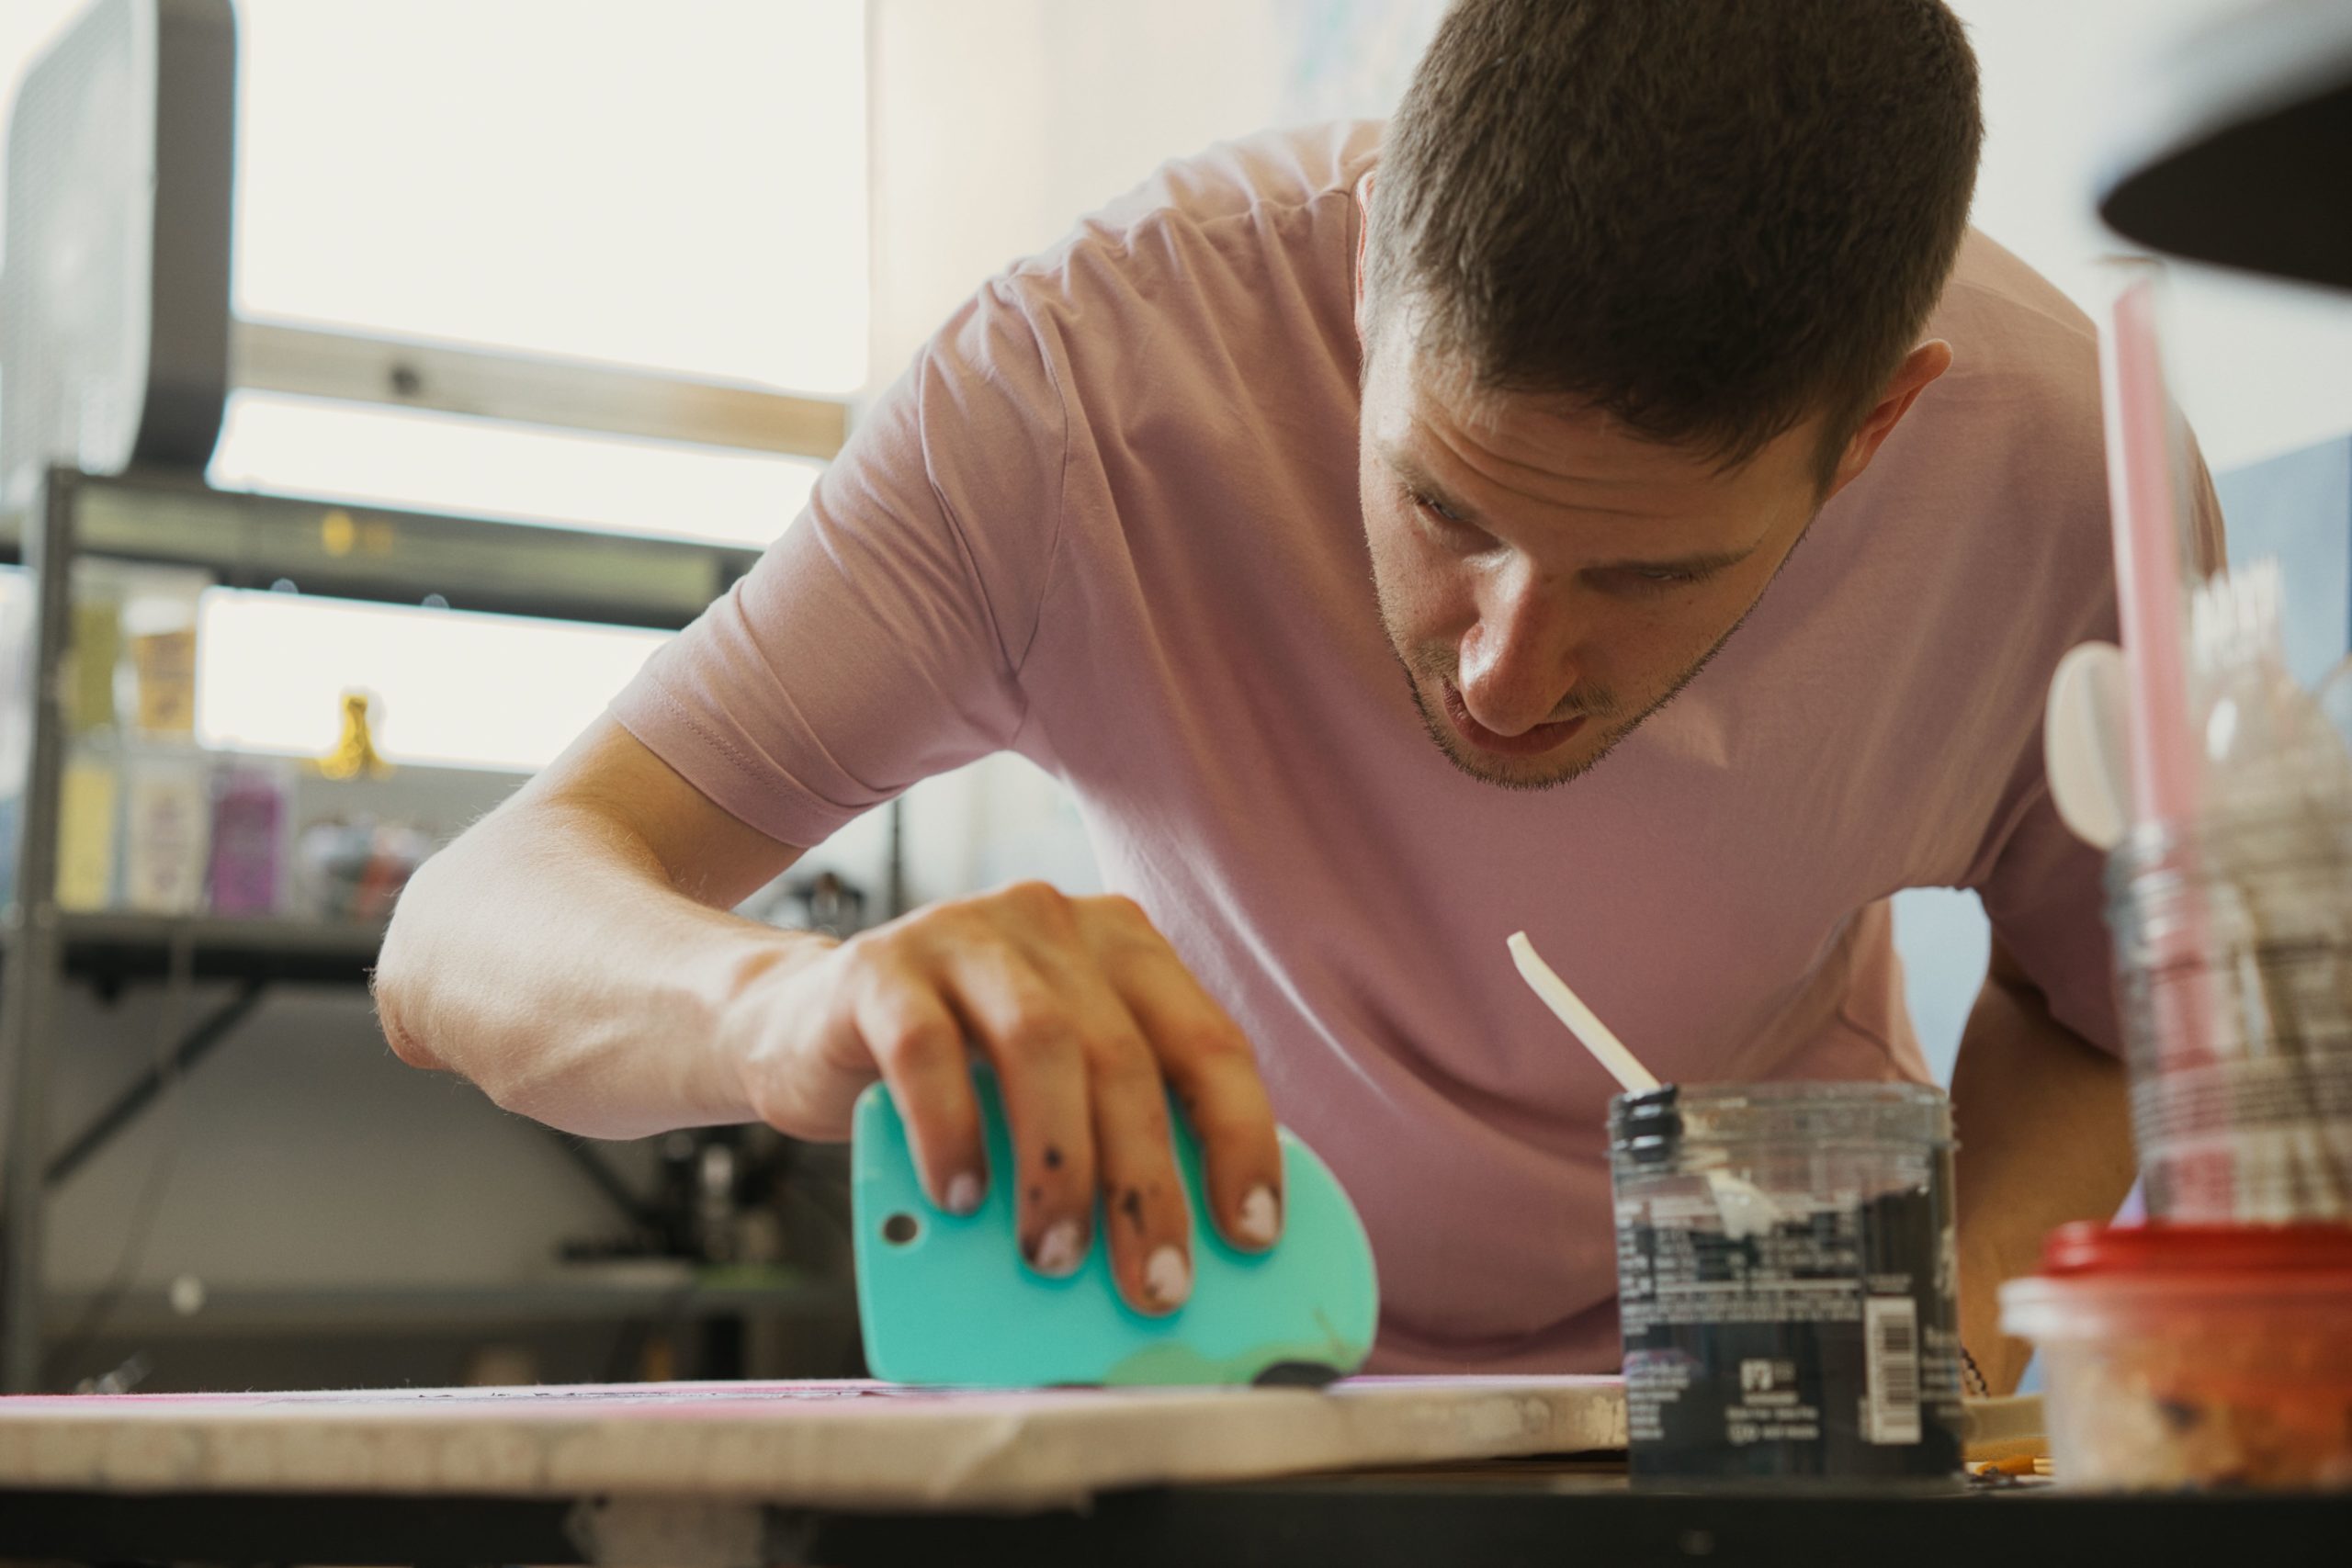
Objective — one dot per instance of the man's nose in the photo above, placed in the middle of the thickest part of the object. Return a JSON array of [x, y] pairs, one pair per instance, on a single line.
[[1519, 661]]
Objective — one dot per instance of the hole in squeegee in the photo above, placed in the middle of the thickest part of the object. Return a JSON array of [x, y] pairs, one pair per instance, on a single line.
[[899, 1229]]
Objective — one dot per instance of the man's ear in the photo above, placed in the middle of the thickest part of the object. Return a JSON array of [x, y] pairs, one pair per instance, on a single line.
[[1918, 370], [1364, 257]]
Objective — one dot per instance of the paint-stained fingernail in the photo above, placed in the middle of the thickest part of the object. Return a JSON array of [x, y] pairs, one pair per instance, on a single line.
[[963, 1194], [1166, 1278], [1060, 1250], [1260, 1219]]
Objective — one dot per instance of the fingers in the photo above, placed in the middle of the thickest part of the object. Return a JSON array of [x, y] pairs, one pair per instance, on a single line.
[[1144, 1206], [1087, 1110], [919, 1046], [1089, 1018], [1226, 1102], [1209, 1062], [1013, 1017]]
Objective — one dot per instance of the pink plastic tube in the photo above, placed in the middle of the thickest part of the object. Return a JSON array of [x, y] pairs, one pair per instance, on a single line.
[[2148, 561], [2167, 761]]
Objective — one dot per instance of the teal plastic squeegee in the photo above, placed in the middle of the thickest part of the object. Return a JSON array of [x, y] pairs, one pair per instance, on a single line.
[[948, 1299]]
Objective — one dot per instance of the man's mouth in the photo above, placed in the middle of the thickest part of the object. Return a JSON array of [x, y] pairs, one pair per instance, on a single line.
[[1534, 742]]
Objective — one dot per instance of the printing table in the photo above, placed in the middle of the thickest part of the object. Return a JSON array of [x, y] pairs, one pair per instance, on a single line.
[[726, 1476]]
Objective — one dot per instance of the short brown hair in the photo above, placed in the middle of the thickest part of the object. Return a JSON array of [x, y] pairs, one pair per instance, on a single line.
[[1711, 219]]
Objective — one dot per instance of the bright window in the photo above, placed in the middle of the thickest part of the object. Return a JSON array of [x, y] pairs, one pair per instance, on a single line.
[[675, 186], [437, 462], [450, 686], [679, 188]]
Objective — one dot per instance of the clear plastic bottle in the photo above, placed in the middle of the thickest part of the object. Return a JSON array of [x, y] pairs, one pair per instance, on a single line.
[[2234, 963]]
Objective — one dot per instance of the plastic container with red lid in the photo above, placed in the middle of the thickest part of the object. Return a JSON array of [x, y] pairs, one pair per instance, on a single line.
[[2204, 1356], [2182, 1252]]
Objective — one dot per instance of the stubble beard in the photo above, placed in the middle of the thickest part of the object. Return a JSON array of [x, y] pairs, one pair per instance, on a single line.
[[1432, 666]]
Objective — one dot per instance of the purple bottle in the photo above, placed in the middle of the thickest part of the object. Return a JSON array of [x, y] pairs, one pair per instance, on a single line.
[[248, 806]]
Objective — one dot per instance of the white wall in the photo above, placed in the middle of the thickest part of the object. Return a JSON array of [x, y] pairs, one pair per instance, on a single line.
[[26, 27], [993, 126]]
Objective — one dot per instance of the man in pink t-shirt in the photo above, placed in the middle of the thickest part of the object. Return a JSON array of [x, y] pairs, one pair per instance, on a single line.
[[1392, 536]]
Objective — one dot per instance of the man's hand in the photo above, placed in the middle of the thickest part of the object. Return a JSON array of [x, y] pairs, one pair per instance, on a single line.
[[1087, 1016], [572, 954]]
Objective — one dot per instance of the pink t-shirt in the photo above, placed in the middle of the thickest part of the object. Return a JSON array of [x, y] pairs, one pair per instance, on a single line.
[[1108, 520]]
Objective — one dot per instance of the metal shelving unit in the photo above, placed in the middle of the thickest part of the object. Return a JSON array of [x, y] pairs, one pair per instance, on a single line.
[[111, 948], [352, 551], [338, 550], [68, 389]]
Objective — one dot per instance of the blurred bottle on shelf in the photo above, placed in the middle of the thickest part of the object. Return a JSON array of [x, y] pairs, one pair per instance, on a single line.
[[158, 633], [248, 850], [166, 831], [87, 799]]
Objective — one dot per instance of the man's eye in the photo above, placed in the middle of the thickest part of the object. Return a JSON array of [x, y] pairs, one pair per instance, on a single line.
[[1438, 510], [1651, 579]]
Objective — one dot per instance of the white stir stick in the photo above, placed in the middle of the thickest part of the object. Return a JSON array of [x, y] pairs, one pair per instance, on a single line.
[[1746, 1210], [1570, 1007]]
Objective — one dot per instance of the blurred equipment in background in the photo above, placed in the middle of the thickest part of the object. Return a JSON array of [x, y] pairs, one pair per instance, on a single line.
[[353, 869], [741, 1197], [2242, 154], [817, 900], [114, 302], [826, 903]]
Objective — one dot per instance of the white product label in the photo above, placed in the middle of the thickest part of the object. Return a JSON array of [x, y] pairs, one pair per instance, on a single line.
[[1891, 1335]]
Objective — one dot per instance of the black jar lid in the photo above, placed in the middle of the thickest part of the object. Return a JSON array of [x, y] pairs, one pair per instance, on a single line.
[[1646, 1127], [1652, 1126]]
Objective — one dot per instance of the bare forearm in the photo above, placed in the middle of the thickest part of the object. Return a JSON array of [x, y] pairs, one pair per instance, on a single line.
[[2045, 1137], [549, 959]]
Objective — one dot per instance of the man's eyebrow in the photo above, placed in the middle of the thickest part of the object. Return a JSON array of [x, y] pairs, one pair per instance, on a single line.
[[1685, 565], [1417, 478]]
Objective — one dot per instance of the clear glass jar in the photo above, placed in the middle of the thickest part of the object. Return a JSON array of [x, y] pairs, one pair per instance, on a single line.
[[2233, 967], [1786, 1270]]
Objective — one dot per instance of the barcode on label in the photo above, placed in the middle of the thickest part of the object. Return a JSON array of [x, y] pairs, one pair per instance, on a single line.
[[1891, 1331]]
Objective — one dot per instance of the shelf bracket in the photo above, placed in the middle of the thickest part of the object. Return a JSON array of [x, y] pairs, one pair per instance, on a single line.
[[124, 1108]]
